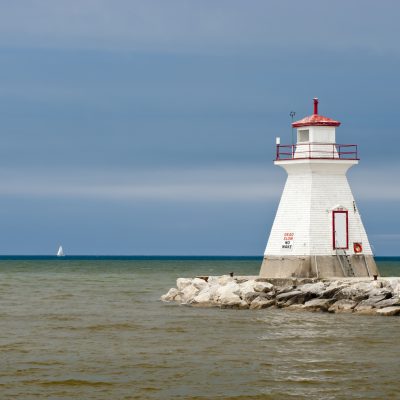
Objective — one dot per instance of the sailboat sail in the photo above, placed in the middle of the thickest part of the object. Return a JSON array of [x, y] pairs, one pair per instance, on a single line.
[[60, 252]]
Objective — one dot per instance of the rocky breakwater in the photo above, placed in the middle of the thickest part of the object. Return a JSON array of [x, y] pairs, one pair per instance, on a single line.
[[345, 295]]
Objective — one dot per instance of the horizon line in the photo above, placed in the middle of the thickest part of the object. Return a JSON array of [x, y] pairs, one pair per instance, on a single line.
[[149, 255]]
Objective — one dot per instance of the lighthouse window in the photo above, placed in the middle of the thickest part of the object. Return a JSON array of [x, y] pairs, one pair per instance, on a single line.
[[304, 135]]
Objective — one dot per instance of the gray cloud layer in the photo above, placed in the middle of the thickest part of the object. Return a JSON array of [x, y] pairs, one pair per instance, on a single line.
[[228, 183], [186, 25]]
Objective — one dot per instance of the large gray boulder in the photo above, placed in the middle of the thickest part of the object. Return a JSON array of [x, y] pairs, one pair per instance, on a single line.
[[351, 293], [294, 297], [263, 287], [371, 301], [286, 289], [389, 311], [181, 283], [394, 301], [170, 296], [365, 310], [318, 304], [331, 290], [233, 302], [282, 297], [343, 306], [188, 293], [261, 302], [316, 288], [250, 296], [228, 294], [224, 280], [246, 287], [199, 283], [203, 298], [394, 286]]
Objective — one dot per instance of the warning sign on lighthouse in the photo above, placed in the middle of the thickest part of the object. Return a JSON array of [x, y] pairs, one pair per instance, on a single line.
[[288, 240]]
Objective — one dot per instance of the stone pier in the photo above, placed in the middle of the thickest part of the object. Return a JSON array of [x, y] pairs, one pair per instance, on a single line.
[[334, 295]]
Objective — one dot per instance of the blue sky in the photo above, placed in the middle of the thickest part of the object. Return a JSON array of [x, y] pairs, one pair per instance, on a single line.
[[148, 127]]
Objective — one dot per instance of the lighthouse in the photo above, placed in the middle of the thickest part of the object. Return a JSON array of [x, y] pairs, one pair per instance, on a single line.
[[317, 231]]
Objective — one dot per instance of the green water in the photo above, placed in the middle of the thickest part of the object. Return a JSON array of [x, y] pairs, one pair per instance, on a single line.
[[95, 329]]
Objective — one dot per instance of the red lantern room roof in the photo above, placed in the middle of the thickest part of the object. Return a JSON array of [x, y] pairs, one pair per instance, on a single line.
[[315, 119]]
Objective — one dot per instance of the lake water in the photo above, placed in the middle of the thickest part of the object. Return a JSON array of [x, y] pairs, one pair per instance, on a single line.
[[94, 328]]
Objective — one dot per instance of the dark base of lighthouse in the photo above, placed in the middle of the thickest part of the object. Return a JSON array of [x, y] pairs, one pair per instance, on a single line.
[[317, 267]]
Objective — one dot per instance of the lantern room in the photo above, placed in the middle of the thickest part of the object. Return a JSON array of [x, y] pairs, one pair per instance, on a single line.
[[316, 138], [316, 128]]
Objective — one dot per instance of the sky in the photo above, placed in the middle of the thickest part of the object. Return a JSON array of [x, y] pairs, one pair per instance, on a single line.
[[148, 127]]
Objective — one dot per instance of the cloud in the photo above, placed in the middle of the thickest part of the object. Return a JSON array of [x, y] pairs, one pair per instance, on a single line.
[[182, 25], [375, 183], [225, 184]]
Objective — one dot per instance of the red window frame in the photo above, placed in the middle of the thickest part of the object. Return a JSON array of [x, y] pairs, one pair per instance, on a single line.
[[333, 229]]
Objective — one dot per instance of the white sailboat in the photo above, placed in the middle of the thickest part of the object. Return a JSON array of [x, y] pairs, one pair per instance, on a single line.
[[60, 252]]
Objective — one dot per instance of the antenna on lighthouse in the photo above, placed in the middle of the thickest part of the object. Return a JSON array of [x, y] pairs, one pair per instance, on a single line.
[[292, 114]]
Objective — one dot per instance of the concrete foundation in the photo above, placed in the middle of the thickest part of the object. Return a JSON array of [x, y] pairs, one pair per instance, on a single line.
[[316, 266]]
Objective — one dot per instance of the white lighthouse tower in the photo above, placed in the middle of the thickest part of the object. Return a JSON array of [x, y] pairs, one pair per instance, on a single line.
[[317, 231]]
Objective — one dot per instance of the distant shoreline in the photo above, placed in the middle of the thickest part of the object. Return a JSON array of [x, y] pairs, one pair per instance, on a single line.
[[150, 257]]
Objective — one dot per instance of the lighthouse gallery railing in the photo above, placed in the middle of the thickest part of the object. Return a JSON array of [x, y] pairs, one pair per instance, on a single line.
[[316, 151]]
